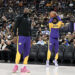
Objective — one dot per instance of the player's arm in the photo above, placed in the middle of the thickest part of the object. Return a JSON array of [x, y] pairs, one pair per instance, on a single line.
[[16, 25], [50, 21], [62, 24], [50, 26], [59, 18], [18, 20]]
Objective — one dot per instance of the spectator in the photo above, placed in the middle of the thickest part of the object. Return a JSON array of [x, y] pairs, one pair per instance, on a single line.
[[5, 55], [39, 32], [69, 36], [40, 41], [66, 42], [34, 42], [11, 50], [46, 31], [2, 45]]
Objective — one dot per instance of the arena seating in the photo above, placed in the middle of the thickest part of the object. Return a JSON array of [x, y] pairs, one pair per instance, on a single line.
[[74, 54], [68, 53], [38, 53], [61, 52], [34, 52], [42, 52]]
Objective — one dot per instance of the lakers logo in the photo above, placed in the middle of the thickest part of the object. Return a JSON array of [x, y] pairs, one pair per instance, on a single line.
[[50, 43], [20, 44]]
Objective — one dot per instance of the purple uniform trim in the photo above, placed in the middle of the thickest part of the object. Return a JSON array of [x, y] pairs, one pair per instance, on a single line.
[[54, 33], [50, 20], [24, 45], [53, 43], [59, 18]]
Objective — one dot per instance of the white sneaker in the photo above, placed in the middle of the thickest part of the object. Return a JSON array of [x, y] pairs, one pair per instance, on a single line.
[[55, 62], [47, 63]]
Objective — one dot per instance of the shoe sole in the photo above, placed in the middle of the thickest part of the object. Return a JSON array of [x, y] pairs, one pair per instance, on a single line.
[[15, 72], [25, 72]]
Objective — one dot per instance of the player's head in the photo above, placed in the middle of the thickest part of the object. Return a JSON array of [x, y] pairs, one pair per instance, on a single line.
[[55, 20], [26, 10], [53, 14]]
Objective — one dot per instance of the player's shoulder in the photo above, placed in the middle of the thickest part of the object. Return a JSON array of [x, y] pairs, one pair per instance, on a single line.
[[59, 18], [50, 21]]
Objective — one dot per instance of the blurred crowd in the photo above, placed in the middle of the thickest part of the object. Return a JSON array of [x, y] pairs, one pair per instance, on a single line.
[[39, 14]]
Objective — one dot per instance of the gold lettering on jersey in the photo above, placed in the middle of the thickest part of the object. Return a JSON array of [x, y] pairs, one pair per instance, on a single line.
[[55, 25]]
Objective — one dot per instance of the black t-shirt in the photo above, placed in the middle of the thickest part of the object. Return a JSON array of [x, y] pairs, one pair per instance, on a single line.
[[23, 24]]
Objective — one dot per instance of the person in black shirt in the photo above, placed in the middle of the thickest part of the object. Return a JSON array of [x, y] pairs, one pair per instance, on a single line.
[[23, 30]]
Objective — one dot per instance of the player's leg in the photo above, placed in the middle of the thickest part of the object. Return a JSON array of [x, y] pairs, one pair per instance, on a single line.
[[19, 52], [56, 52], [26, 54], [49, 52], [27, 50], [50, 47]]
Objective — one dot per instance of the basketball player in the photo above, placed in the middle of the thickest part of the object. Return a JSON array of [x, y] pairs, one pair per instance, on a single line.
[[54, 24], [23, 25]]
